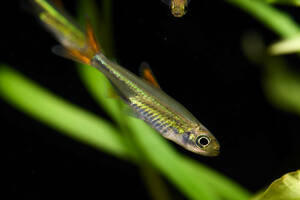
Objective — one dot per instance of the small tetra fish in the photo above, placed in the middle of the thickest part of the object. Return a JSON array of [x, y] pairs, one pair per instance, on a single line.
[[143, 95], [178, 7]]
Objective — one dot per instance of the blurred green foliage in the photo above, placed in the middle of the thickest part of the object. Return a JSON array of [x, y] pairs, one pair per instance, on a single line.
[[123, 138], [276, 20], [285, 2]]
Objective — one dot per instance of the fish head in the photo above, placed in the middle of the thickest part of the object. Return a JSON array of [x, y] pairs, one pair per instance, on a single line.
[[199, 140], [178, 7]]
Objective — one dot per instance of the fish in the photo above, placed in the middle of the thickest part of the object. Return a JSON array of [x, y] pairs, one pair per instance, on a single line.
[[143, 95], [178, 7]]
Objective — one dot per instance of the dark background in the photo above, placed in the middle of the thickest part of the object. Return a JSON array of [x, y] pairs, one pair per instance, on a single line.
[[197, 59]]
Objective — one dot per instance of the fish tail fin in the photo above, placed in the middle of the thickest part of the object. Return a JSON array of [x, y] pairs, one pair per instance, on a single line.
[[75, 44], [80, 54]]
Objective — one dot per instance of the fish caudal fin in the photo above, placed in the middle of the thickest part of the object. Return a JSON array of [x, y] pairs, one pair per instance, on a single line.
[[75, 44], [83, 54]]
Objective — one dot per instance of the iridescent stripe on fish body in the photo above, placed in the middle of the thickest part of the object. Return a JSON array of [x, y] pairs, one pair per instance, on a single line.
[[146, 106], [158, 116]]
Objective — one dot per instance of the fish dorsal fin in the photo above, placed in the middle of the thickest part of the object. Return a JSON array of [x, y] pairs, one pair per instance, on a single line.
[[147, 74]]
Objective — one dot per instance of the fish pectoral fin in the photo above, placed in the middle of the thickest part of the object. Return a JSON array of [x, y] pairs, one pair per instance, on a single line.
[[129, 112], [115, 93], [111, 93], [147, 75]]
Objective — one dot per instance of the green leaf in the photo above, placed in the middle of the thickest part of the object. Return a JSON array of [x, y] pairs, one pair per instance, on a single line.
[[286, 2], [290, 45], [278, 21], [157, 187], [285, 188], [55, 112], [95, 82], [99, 87], [225, 187]]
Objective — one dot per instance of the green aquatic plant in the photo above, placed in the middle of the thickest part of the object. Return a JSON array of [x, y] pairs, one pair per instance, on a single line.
[[123, 138]]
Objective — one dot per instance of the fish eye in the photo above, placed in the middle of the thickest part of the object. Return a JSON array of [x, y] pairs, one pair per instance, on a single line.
[[202, 141]]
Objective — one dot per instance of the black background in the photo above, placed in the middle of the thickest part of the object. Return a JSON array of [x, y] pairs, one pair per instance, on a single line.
[[197, 59]]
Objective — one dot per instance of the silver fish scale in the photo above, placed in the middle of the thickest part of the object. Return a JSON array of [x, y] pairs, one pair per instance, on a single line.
[[149, 115]]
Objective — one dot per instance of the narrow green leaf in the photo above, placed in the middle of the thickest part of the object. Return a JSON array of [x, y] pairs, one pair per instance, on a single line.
[[225, 187], [285, 188], [99, 87], [95, 82], [286, 2], [285, 46], [276, 20], [53, 111], [158, 189]]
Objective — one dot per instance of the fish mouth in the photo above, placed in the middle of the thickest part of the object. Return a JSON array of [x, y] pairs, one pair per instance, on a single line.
[[209, 152], [178, 12], [214, 153]]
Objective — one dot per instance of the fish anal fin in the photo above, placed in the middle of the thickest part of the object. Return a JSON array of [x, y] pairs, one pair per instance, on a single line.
[[147, 74]]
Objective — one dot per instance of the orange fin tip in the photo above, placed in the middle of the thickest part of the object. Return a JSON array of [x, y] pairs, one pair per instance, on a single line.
[[72, 54], [147, 74], [82, 55], [91, 38]]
